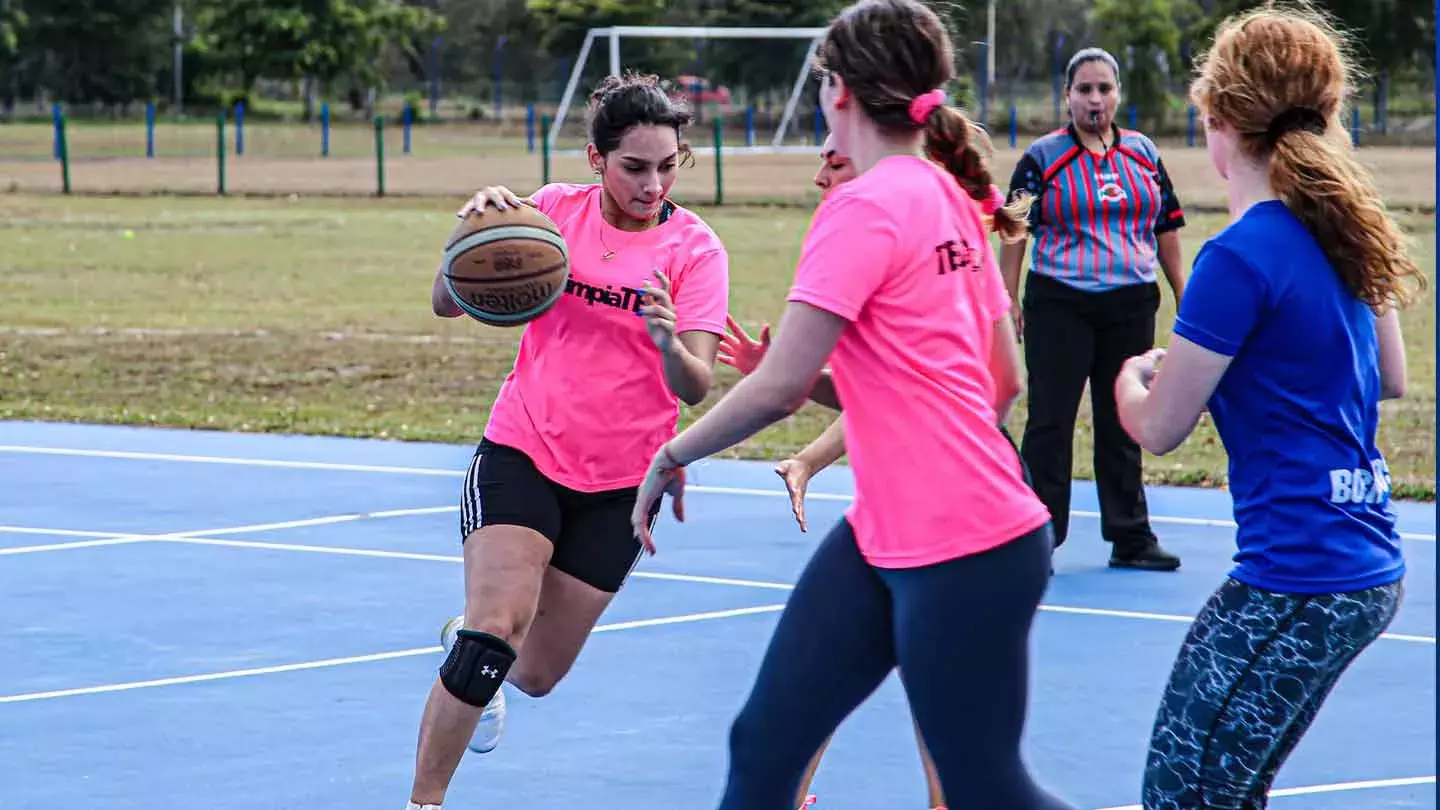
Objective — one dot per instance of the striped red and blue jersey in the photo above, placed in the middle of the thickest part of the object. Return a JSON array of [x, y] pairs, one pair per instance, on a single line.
[[1095, 218]]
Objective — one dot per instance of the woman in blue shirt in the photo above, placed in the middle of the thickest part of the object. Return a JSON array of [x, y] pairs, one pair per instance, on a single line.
[[1289, 331]]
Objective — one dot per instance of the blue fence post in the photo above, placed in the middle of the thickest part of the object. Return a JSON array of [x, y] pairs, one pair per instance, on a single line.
[[239, 128], [530, 128], [1355, 125], [150, 129], [409, 119], [55, 116], [1014, 127], [819, 125], [750, 125], [1132, 117], [1190, 126], [325, 129]]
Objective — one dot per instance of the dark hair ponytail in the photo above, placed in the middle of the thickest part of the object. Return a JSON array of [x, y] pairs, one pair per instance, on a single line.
[[955, 143], [893, 54]]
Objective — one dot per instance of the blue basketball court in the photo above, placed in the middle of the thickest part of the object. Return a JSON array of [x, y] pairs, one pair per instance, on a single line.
[[234, 622]]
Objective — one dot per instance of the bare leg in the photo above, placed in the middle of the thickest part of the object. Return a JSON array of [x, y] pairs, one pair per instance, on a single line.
[[932, 779], [504, 568], [810, 770], [568, 610]]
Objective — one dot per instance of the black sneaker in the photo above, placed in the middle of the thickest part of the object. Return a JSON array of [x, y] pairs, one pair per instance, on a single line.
[[1145, 558]]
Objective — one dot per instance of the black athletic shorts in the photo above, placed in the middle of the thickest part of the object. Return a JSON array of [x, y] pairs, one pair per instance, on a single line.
[[591, 531]]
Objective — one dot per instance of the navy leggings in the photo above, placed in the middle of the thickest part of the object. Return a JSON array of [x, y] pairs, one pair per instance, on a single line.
[[1253, 672], [960, 633]]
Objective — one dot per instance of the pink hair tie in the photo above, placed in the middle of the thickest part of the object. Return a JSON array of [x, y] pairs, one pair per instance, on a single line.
[[922, 105], [994, 202]]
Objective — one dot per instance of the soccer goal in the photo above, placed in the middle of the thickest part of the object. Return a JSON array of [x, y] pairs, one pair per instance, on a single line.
[[615, 34]]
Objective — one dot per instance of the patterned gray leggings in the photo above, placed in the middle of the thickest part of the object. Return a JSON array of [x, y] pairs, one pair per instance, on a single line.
[[1250, 677]]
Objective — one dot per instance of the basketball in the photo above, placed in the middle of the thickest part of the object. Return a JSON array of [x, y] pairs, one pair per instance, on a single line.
[[506, 268]]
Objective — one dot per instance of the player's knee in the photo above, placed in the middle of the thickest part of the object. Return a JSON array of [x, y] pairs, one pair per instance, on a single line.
[[476, 667], [534, 684], [753, 744], [499, 621]]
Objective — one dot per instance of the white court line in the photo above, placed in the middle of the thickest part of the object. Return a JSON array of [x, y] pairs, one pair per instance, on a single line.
[[400, 470], [110, 540], [244, 462], [454, 558], [360, 659], [113, 539], [1368, 784], [703, 580]]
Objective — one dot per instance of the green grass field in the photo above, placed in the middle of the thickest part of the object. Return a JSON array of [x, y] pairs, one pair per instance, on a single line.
[[313, 316]]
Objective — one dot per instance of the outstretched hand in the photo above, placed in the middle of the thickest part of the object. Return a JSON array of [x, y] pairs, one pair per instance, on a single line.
[[663, 477], [796, 474], [740, 351]]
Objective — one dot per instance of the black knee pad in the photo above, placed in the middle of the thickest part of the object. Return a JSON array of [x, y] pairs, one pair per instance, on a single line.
[[476, 666]]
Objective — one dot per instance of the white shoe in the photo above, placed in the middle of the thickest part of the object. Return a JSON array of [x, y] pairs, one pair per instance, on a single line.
[[492, 720], [414, 806]]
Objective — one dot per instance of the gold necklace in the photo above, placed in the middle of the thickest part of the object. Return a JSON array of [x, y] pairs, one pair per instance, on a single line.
[[609, 253]]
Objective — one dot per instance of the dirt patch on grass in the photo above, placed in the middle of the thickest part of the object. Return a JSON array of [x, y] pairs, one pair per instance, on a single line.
[[1406, 177]]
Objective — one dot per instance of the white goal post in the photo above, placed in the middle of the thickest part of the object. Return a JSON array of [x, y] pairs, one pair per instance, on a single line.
[[615, 33]]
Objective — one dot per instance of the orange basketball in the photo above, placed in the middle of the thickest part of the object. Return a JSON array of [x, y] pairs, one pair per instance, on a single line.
[[506, 268]]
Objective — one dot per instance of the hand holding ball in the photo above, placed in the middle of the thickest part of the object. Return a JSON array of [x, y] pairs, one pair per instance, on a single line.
[[505, 263]]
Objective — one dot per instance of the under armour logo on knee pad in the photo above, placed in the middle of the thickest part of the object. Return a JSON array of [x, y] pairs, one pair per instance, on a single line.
[[489, 672]]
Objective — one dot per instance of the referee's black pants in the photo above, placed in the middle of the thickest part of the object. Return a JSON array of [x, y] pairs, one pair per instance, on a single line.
[[1071, 337]]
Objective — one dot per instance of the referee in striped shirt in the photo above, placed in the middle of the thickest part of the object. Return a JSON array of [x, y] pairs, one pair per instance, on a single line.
[[1105, 221]]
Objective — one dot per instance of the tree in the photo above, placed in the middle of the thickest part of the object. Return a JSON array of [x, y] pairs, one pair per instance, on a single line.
[[330, 40], [1145, 38], [106, 51], [1385, 35], [12, 22]]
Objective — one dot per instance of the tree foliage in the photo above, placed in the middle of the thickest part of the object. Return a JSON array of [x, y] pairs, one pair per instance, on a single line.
[[115, 51], [1145, 39], [328, 40]]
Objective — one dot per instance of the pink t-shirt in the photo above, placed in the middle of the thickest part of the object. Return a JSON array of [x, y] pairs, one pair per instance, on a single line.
[[901, 253], [587, 399]]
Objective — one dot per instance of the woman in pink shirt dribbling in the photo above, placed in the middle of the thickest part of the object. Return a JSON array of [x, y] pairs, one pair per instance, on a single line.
[[941, 561], [546, 506]]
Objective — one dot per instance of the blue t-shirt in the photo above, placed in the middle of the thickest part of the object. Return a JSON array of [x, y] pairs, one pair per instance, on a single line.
[[1297, 409]]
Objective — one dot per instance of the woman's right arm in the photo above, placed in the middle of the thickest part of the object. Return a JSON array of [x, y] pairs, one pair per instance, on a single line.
[[1392, 355], [440, 300], [1005, 368], [441, 303], [1028, 177], [1012, 256]]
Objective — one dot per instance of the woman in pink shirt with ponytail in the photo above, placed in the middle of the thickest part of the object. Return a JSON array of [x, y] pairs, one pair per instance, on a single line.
[[940, 563]]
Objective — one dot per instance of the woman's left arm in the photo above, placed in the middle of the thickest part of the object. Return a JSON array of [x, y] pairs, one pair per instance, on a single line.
[[1167, 244], [1167, 232], [685, 320], [689, 362], [1160, 402]]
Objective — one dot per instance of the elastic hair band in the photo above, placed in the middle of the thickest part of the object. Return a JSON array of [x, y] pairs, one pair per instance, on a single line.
[[994, 202], [1293, 119], [922, 105]]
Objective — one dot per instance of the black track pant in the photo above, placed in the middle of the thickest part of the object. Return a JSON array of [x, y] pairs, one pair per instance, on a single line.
[[1072, 337]]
